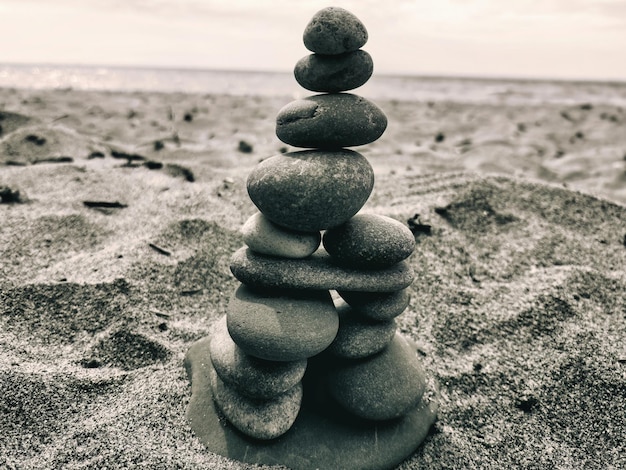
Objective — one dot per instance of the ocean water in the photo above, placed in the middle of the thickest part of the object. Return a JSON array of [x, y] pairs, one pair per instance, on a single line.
[[414, 88]]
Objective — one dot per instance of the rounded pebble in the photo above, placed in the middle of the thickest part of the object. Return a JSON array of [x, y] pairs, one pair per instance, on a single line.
[[265, 237], [261, 419], [377, 305], [334, 73], [250, 376], [380, 387], [311, 190], [330, 121], [360, 337], [369, 241], [280, 325], [334, 30]]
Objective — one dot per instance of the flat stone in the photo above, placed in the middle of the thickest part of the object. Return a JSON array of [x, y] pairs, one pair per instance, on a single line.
[[358, 336], [280, 325], [380, 387], [377, 305], [265, 237], [330, 121], [323, 435], [369, 241], [334, 73], [260, 419], [334, 30], [317, 272], [311, 190], [250, 376]]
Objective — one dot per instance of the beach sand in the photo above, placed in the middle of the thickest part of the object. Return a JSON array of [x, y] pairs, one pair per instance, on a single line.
[[120, 212]]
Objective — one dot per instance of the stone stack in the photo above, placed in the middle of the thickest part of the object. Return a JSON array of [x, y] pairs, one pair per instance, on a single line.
[[284, 337], [299, 194]]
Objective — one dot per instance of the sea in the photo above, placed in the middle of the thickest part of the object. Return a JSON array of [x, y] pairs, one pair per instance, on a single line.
[[248, 83]]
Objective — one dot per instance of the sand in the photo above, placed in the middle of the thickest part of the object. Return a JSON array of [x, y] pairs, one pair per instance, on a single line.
[[120, 212]]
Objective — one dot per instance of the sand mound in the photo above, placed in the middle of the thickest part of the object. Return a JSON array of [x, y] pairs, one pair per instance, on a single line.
[[45, 144], [518, 311], [11, 121]]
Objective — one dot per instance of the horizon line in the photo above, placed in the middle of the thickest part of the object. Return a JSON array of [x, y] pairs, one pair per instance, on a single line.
[[424, 75]]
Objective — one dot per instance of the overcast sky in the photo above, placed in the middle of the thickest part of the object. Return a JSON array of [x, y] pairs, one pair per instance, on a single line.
[[518, 38]]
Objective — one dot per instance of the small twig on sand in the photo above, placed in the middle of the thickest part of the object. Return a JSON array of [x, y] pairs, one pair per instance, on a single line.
[[158, 249], [189, 292], [60, 117], [161, 314], [104, 204], [54, 160]]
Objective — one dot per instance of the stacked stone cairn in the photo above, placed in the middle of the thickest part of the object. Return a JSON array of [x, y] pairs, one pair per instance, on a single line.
[[282, 324]]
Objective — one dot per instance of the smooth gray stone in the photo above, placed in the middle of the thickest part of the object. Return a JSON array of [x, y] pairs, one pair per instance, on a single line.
[[311, 190], [323, 435], [369, 241], [334, 30], [263, 236], [334, 73], [358, 336], [251, 376], [330, 121], [260, 419], [378, 305], [317, 272], [380, 387], [280, 325]]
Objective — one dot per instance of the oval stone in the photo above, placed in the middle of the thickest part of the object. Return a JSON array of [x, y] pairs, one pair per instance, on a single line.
[[359, 336], [334, 30], [280, 325], [311, 190], [377, 305], [330, 121], [334, 73], [369, 241], [250, 376], [265, 237], [317, 272], [261, 419], [380, 387]]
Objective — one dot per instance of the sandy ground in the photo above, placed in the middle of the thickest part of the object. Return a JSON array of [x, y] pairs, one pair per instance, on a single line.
[[120, 211]]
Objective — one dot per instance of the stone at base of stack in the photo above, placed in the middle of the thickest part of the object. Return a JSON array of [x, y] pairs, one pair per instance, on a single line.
[[323, 436]]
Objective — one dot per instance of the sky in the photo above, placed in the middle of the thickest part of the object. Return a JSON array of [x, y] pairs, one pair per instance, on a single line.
[[567, 39]]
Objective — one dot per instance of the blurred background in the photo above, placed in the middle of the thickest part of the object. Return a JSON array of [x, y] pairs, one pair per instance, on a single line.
[[563, 39]]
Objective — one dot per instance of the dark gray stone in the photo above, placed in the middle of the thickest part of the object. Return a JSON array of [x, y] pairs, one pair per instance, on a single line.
[[317, 272], [251, 376], [369, 241], [334, 30], [323, 435], [330, 121], [380, 387], [280, 325], [311, 190], [378, 305], [260, 419], [334, 73], [358, 336]]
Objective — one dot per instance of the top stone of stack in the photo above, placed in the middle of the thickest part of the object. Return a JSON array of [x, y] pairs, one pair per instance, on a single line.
[[337, 64], [332, 120], [333, 31]]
